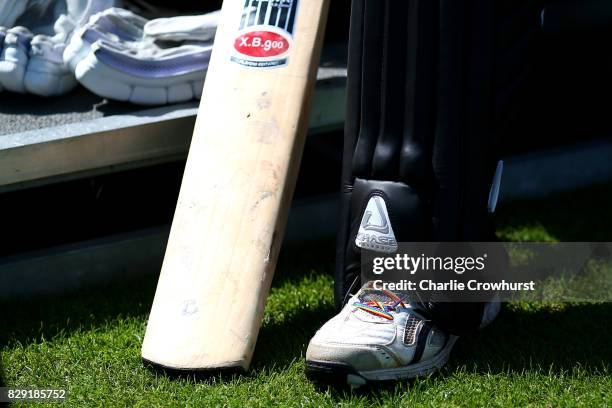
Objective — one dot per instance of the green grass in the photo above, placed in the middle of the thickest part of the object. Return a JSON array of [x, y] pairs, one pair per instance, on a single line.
[[548, 355]]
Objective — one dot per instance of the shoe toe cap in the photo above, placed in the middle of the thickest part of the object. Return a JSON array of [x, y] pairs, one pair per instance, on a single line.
[[360, 358]]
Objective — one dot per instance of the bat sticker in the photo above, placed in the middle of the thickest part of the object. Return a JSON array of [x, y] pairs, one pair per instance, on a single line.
[[265, 36]]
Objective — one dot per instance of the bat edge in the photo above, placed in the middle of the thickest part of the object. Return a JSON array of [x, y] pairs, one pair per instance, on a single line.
[[198, 373]]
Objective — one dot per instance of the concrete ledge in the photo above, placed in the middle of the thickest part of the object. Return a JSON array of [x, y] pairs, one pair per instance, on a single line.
[[121, 142]]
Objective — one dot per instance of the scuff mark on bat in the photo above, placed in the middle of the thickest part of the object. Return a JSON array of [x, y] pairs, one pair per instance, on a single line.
[[264, 196], [189, 307]]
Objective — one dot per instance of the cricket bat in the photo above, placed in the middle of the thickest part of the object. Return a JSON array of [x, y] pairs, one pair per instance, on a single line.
[[237, 187]]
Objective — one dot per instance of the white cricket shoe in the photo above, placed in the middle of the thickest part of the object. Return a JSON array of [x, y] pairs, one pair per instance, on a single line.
[[376, 337]]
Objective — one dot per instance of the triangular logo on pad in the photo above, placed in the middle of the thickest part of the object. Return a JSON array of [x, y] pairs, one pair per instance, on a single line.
[[375, 232]]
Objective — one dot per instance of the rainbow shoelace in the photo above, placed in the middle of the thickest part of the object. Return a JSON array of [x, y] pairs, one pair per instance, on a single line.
[[381, 309]]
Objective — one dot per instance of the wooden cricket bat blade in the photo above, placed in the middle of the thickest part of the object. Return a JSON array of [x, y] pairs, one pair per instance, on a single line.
[[238, 184]]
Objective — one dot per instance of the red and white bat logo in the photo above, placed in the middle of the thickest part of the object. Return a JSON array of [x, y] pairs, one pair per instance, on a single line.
[[265, 37]]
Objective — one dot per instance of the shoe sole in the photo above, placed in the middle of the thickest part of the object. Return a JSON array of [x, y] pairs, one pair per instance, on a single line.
[[341, 373]]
